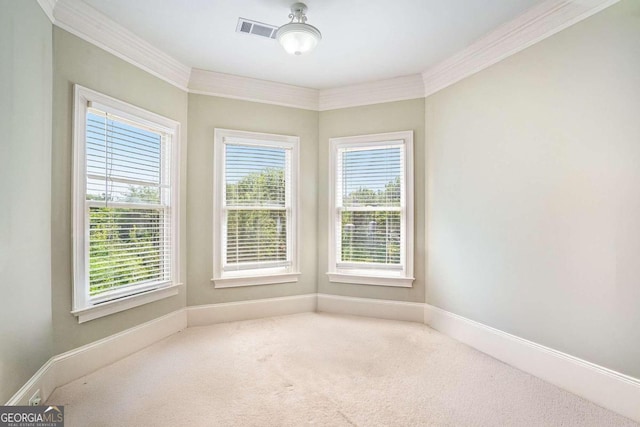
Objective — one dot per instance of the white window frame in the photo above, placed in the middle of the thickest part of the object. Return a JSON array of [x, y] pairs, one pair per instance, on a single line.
[[225, 278], [349, 272], [86, 308]]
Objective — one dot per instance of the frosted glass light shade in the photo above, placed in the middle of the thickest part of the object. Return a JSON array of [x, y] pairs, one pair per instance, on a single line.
[[298, 38]]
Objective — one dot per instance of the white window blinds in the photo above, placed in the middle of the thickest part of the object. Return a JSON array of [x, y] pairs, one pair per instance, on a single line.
[[369, 200], [257, 206], [127, 205]]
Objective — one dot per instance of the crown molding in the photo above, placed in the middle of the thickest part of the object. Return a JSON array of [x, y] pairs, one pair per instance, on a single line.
[[87, 23], [48, 6], [249, 89], [533, 26], [376, 92]]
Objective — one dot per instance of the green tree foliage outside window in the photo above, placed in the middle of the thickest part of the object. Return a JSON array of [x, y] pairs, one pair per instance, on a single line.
[[372, 236], [126, 245], [257, 235]]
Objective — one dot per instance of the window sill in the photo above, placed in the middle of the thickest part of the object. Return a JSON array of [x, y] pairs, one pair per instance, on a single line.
[[111, 307], [237, 281], [359, 279]]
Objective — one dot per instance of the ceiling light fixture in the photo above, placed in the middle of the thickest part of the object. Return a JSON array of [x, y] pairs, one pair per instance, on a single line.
[[298, 37]]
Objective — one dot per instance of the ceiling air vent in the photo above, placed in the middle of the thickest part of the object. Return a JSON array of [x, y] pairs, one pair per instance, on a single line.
[[247, 26]]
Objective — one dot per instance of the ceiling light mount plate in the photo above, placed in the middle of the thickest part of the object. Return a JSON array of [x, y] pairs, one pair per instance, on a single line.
[[298, 11], [298, 37]]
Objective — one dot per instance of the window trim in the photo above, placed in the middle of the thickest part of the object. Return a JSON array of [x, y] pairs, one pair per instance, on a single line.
[[82, 306], [378, 277], [238, 278]]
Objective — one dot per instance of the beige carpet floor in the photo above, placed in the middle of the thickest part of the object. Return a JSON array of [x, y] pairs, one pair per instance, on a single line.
[[319, 369]]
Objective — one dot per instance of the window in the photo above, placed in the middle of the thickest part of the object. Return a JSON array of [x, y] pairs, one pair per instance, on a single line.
[[255, 208], [125, 213], [371, 217]]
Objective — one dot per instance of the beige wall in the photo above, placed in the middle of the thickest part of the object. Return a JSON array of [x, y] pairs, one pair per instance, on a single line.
[[534, 170], [207, 113], [25, 181], [380, 118], [76, 61]]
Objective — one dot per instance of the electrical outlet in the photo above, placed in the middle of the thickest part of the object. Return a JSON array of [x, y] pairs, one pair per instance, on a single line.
[[35, 399]]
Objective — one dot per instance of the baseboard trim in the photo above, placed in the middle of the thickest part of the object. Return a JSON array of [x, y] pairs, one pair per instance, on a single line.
[[81, 361], [43, 379], [610, 389], [202, 315], [369, 307]]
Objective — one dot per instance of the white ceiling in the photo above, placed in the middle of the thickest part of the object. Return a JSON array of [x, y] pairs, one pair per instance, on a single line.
[[363, 40]]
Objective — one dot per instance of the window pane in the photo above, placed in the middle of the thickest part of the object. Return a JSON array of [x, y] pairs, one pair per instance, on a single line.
[[124, 162], [127, 246], [256, 236], [256, 196], [371, 237], [369, 190], [255, 176], [370, 177]]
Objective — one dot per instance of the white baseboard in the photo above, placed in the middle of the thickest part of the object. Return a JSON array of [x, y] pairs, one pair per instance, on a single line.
[[609, 389], [43, 380], [202, 315], [368, 307], [74, 364]]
